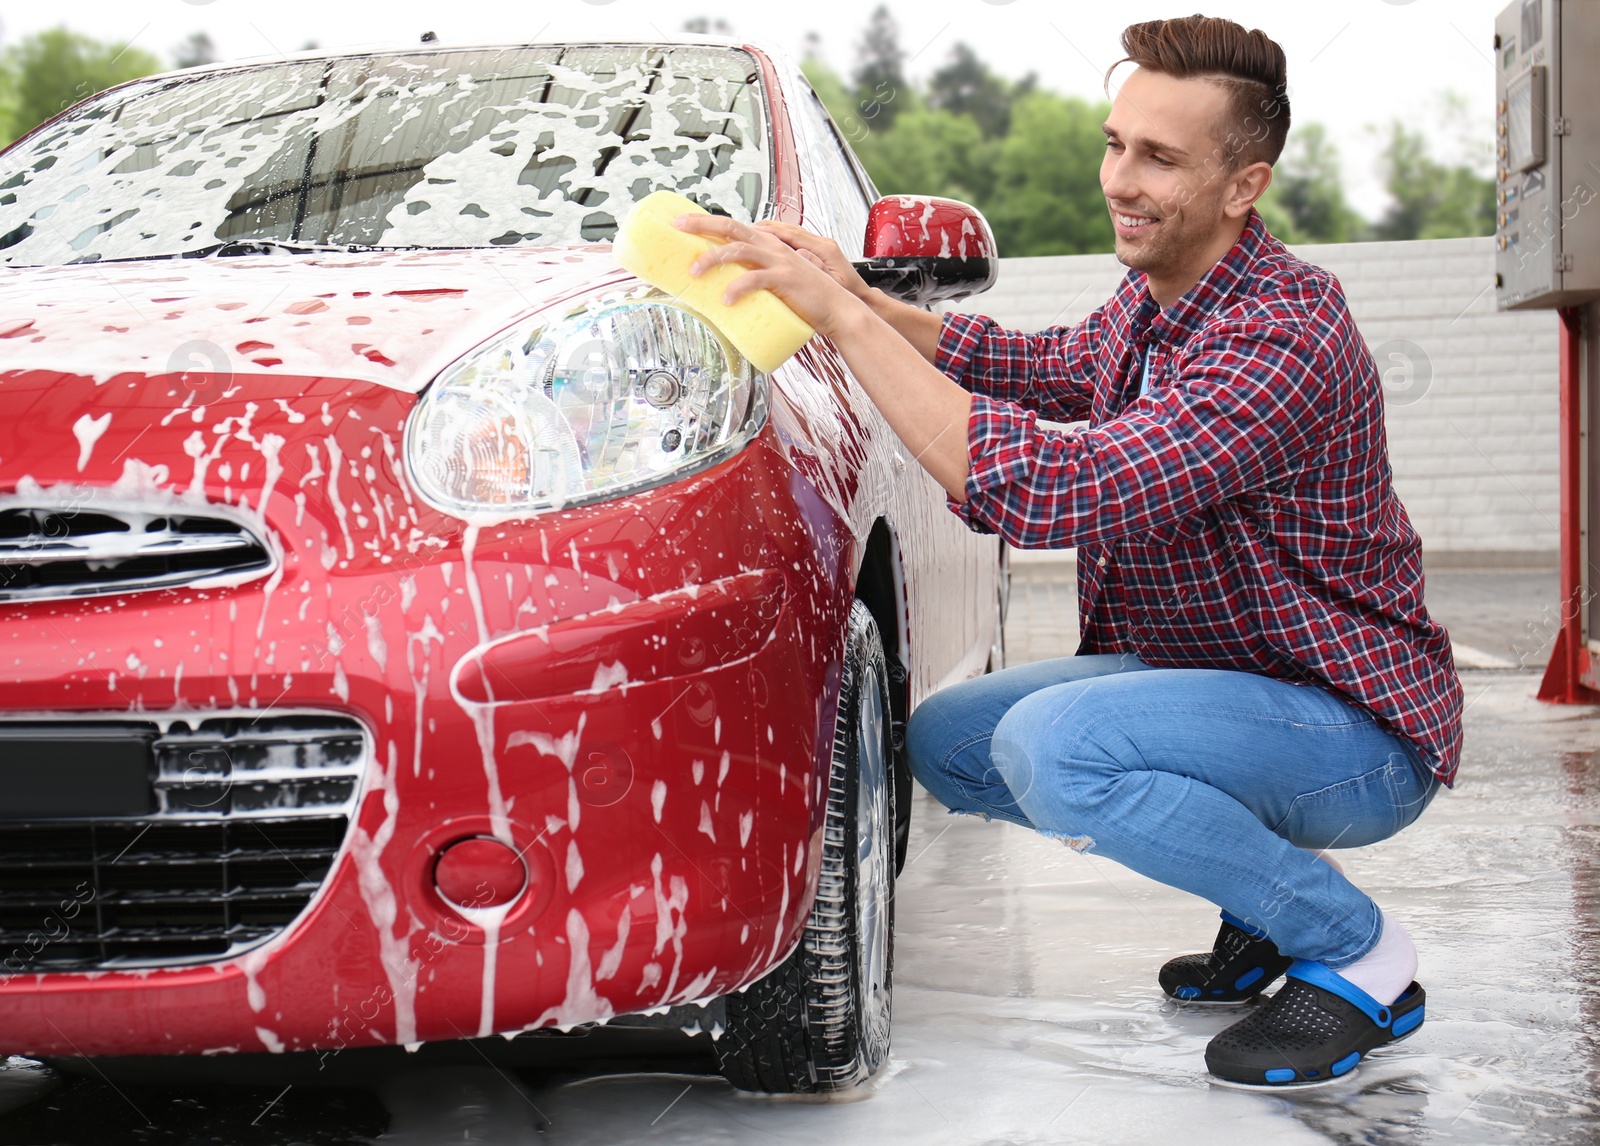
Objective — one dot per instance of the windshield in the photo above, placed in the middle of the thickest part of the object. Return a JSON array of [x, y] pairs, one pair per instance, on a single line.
[[491, 147]]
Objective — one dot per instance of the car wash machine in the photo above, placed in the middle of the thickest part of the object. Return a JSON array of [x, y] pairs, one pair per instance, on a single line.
[[1547, 256]]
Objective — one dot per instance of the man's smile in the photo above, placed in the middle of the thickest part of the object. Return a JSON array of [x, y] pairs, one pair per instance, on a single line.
[[1131, 224]]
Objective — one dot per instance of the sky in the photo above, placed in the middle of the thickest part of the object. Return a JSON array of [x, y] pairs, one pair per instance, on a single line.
[[1352, 63]]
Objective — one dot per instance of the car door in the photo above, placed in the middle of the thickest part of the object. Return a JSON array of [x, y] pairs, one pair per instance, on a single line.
[[950, 573]]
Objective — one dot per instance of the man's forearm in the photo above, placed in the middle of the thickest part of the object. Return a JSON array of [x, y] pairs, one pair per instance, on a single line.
[[926, 410], [919, 327]]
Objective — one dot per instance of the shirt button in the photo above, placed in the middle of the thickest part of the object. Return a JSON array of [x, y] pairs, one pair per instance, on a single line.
[[1101, 563]]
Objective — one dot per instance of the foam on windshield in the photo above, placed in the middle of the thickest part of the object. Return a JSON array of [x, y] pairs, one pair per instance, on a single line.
[[545, 146], [702, 138]]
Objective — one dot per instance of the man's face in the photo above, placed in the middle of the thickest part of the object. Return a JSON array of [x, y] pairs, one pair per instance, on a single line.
[[1162, 170]]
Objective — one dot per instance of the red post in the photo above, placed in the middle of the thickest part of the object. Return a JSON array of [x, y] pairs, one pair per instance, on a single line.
[[1563, 675]]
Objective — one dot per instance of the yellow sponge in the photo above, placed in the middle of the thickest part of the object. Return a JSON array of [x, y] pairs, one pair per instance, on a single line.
[[760, 324]]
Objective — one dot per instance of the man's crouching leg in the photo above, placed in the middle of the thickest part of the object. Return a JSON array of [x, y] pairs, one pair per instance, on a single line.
[[948, 736], [1218, 783]]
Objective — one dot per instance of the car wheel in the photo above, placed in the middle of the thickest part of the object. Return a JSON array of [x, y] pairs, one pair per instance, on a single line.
[[820, 1021]]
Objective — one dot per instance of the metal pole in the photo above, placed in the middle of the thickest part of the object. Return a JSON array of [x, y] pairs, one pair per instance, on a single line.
[[1563, 683]]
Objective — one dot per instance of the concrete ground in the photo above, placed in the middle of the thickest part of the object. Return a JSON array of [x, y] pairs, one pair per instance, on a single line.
[[1026, 1006]]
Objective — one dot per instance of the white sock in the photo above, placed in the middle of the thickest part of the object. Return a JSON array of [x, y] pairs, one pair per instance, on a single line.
[[1388, 968]]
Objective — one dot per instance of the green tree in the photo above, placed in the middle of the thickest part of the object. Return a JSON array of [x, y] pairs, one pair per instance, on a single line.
[[1306, 197], [8, 101], [1428, 199], [1038, 185], [54, 69], [706, 26], [929, 151], [1047, 198], [1030, 160], [837, 98], [880, 78], [925, 151], [825, 82], [966, 86], [1277, 220], [194, 51]]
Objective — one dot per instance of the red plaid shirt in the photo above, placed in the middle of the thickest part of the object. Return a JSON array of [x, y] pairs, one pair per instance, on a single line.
[[1241, 515]]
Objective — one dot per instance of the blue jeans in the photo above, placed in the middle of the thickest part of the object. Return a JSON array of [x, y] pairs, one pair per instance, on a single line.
[[1208, 780]]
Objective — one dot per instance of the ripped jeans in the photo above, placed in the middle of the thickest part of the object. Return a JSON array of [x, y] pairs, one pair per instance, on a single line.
[[1209, 780]]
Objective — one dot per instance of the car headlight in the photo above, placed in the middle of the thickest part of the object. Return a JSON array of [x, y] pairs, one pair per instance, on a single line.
[[573, 407]]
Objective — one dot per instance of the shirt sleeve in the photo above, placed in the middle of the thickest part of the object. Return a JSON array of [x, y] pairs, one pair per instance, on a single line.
[[1051, 371], [1243, 411]]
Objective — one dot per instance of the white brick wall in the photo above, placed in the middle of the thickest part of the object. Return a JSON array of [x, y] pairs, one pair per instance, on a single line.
[[1474, 454]]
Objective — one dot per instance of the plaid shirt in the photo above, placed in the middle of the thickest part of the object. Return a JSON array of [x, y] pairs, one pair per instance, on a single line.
[[1239, 516]]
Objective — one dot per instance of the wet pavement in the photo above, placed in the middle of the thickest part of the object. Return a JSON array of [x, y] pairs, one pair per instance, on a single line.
[[1026, 1009]]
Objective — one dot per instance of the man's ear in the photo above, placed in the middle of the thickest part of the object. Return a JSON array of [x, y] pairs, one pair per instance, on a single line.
[[1248, 185]]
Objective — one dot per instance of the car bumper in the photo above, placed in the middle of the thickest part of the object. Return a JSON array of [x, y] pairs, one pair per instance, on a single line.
[[637, 696]]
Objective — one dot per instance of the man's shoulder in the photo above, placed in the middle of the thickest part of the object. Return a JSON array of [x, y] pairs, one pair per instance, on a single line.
[[1280, 283], [1280, 289]]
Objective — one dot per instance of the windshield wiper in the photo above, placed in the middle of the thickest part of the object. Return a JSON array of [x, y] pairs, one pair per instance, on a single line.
[[232, 247]]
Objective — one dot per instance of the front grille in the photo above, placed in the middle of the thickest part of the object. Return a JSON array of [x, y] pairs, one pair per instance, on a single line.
[[249, 818], [237, 768], [62, 551]]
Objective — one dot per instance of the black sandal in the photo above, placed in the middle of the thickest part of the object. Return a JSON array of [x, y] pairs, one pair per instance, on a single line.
[[1239, 966], [1316, 1028]]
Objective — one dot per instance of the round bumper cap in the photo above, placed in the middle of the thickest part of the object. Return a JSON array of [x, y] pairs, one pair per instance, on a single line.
[[479, 872]]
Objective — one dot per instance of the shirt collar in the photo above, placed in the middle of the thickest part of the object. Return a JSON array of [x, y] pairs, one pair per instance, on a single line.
[[1174, 324]]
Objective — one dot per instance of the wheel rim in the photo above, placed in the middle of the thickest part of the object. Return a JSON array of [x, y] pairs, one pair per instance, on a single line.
[[873, 857]]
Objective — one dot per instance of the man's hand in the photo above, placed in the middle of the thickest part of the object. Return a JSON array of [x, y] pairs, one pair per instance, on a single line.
[[919, 327], [926, 410], [798, 276], [822, 252]]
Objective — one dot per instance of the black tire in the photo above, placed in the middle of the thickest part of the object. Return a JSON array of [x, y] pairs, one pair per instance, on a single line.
[[819, 1021]]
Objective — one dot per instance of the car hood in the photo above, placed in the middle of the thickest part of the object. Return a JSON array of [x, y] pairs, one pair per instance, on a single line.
[[395, 318]]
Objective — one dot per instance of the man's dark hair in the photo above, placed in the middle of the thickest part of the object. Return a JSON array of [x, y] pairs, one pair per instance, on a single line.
[[1248, 64]]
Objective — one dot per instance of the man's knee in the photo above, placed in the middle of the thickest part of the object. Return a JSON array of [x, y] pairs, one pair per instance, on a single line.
[[934, 743], [947, 746], [944, 726], [1064, 737], [924, 736]]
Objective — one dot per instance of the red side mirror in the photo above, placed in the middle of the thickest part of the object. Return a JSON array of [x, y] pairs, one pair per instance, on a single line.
[[927, 226], [923, 249]]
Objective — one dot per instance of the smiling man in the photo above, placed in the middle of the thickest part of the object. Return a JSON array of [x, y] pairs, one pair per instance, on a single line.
[[1258, 679]]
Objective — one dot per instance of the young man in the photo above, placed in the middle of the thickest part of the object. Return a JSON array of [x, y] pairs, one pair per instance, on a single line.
[[1258, 676]]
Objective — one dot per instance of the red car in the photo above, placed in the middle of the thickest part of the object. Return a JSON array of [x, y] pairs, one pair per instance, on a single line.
[[416, 627]]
